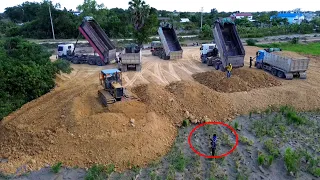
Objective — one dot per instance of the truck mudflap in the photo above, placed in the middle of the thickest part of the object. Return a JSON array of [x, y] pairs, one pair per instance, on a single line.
[[303, 75]]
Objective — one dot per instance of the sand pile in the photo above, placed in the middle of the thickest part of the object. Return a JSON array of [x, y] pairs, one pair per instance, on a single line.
[[71, 126], [241, 80], [180, 97], [290, 54]]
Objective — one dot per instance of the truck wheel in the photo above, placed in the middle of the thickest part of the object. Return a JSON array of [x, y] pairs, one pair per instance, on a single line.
[[259, 65], [138, 67], [75, 61], [222, 68], [100, 63], [274, 72], [92, 61], [124, 68], [280, 74], [217, 66]]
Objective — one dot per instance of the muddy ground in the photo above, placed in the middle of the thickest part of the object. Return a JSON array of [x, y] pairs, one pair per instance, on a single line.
[[70, 125]]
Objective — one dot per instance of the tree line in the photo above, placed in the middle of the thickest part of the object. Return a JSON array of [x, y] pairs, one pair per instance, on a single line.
[[139, 21]]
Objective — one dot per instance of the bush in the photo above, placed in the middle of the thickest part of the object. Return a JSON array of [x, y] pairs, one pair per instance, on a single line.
[[271, 148], [251, 42], [96, 172], [186, 123], [292, 160], [56, 168], [261, 159], [63, 66], [295, 40], [26, 73]]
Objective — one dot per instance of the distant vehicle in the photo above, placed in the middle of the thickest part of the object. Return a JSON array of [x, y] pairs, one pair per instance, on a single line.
[[97, 38], [156, 48], [171, 48], [229, 45], [207, 52], [282, 66], [130, 58]]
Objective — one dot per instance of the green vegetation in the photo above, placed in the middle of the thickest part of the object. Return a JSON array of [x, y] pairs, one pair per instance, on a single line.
[[57, 167], [185, 122], [251, 42], [310, 48], [26, 73], [261, 159], [63, 66], [291, 115], [271, 148], [236, 125], [179, 162], [292, 160], [96, 172], [270, 160], [245, 140]]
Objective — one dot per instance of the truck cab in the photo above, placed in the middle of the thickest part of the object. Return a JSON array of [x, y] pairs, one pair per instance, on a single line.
[[65, 50], [206, 50]]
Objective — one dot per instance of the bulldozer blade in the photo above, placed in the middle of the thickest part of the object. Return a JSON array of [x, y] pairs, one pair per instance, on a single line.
[[128, 95], [105, 97]]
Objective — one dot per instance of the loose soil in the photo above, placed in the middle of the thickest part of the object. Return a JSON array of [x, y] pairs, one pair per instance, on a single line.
[[70, 125], [241, 80]]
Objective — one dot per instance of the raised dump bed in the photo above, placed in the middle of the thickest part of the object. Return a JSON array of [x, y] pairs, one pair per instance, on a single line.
[[98, 39], [228, 43], [169, 39], [130, 58]]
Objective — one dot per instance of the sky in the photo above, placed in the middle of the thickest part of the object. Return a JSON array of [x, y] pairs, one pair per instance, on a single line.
[[193, 5]]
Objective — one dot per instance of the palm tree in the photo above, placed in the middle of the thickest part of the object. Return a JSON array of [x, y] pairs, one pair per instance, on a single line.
[[140, 12]]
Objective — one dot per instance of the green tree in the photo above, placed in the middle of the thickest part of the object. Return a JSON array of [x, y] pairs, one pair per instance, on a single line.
[[143, 20], [206, 32]]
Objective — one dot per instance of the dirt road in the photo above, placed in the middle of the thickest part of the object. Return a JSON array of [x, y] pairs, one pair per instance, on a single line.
[[70, 125]]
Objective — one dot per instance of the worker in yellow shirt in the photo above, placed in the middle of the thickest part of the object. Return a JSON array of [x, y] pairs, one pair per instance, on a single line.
[[229, 69]]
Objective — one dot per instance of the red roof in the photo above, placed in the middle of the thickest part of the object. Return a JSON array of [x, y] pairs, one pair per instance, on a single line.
[[243, 14]]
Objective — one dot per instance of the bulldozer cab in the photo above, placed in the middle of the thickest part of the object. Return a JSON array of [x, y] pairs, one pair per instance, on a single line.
[[109, 77]]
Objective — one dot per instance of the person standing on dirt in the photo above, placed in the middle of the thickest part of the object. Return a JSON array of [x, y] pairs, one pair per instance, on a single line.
[[251, 59], [229, 69], [213, 144]]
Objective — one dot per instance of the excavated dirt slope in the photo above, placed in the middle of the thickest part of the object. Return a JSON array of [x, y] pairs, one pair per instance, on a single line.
[[70, 125], [241, 80]]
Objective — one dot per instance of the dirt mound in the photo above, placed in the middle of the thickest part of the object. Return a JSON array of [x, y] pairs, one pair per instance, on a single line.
[[241, 80], [71, 126], [180, 97], [289, 54]]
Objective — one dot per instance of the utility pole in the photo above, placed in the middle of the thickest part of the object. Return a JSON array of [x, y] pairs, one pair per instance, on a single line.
[[54, 38], [201, 16]]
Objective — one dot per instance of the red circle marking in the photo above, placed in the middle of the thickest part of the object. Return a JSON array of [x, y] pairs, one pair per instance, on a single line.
[[219, 123]]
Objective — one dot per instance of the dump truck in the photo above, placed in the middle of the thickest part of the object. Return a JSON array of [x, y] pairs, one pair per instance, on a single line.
[[113, 91], [130, 58], [98, 40], [282, 65], [229, 45], [171, 48]]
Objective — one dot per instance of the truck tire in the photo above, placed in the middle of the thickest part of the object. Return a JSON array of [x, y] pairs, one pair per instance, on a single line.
[[138, 67], [221, 68], [259, 65], [75, 61], [274, 72], [100, 63], [91, 61], [167, 58], [217, 66], [280, 74], [124, 68], [209, 62]]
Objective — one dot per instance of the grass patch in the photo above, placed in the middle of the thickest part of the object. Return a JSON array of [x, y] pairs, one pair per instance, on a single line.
[[310, 48], [96, 172], [271, 148], [56, 168], [261, 159], [185, 123], [292, 160], [270, 160], [245, 140], [292, 116]]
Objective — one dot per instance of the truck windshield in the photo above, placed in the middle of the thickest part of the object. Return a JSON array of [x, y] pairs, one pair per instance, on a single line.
[[60, 48]]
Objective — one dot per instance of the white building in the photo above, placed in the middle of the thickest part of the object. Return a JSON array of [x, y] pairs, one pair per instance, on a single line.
[[242, 15], [184, 20]]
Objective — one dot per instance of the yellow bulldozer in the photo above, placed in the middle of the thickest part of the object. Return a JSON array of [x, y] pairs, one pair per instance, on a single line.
[[113, 91]]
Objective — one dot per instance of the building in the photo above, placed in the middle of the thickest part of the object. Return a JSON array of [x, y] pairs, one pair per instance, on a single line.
[[184, 20], [242, 15], [293, 18], [309, 16], [76, 13]]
